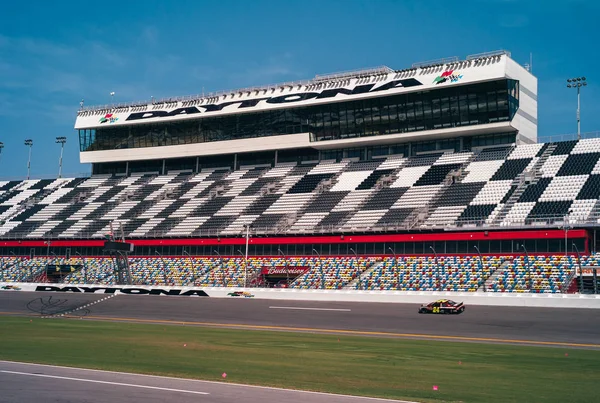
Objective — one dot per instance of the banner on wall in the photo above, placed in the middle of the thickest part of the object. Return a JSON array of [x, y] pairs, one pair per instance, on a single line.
[[128, 290], [282, 270]]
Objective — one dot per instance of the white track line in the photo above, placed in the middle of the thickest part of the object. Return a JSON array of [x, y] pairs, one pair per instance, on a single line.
[[200, 381], [311, 309], [130, 385]]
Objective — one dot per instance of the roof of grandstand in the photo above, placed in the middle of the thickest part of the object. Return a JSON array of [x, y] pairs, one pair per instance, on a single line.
[[331, 78]]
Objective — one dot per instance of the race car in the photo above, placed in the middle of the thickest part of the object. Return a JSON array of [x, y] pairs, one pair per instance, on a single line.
[[443, 306]]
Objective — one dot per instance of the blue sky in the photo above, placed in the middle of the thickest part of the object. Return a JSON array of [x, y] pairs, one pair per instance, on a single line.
[[53, 54]]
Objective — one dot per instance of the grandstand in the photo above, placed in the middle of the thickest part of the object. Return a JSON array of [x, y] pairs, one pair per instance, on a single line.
[[426, 178]]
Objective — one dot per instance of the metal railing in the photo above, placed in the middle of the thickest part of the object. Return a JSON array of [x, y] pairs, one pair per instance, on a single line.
[[492, 53], [445, 60], [97, 231], [47, 176], [215, 94], [318, 79], [568, 137]]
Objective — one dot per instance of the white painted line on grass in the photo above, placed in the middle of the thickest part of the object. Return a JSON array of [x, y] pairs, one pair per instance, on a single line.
[[200, 381], [130, 385], [310, 309]]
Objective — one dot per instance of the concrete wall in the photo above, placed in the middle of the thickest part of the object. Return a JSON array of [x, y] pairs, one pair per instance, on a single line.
[[407, 297]]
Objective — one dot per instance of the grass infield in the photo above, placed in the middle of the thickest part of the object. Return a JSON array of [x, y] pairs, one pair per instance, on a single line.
[[382, 367]]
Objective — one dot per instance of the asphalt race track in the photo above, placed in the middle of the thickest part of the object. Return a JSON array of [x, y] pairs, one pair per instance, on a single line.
[[538, 326], [576, 328]]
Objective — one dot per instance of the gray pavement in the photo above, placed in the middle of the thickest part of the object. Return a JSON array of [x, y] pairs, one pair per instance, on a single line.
[[20, 382], [478, 323]]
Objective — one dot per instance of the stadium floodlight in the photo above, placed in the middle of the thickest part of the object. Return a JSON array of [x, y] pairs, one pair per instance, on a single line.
[[29, 143], [61, 140], [577, 82]]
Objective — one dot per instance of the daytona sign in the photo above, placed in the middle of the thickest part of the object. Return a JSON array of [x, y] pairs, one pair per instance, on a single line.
[[282, 99], [124, 290]]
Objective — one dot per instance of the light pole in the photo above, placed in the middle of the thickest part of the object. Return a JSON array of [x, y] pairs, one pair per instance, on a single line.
[[287, 267], [246, 257], [321, 267], [566, 226], [580, 269], [185, 252], [480, 263], [164, 270], [528, 268], [360, 274], [396, 267], [1, 147], [18, 262], [56, 266], [221, 266], [245, 264], [29, 143], [85, 279], [577, 82], [437, 269], [61, 141]]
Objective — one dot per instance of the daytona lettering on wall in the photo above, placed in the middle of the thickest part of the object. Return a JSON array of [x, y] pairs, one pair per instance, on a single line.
[[124, 290], [282, 99]]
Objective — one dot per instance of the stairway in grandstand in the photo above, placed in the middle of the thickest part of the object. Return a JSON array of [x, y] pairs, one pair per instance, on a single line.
[[530, 176], [493, 278], [359, 283]]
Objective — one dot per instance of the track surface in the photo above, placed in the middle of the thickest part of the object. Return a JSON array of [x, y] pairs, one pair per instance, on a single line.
[[44, 383], [31, 382], [546, 326]]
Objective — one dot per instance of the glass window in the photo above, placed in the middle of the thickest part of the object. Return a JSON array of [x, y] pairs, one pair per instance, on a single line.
[[440, 108]]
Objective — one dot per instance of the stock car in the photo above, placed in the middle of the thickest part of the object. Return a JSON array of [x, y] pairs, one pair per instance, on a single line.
[[443, 306]]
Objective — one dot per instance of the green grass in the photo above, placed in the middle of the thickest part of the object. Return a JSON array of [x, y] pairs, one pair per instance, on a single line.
[[384, 367]]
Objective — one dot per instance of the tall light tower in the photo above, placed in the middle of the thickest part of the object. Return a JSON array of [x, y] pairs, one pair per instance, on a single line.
[[577, 82], [29, 143], [1, 147], [61, 141]]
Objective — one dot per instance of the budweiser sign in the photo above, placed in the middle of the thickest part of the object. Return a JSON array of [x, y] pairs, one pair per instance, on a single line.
[[282, 270]]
